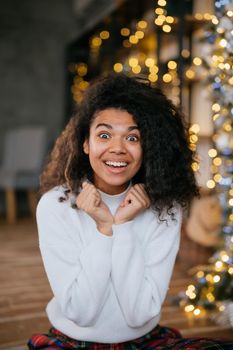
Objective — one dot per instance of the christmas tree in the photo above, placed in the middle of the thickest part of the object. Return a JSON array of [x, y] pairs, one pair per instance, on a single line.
[[212, 288]]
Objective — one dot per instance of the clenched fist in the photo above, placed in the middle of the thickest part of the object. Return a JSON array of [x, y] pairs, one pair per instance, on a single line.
[[89, 200], [135, 202]]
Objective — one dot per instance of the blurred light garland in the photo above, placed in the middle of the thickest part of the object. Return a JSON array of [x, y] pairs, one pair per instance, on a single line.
[[213, 284], [131, 39]]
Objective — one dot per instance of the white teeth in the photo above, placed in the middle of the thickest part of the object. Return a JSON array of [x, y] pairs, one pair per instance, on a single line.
[[116, 164]]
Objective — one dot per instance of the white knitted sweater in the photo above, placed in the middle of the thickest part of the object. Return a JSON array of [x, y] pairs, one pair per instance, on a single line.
[[106, 289]]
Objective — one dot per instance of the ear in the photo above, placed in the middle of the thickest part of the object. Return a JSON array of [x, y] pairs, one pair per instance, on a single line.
[[86, 146]]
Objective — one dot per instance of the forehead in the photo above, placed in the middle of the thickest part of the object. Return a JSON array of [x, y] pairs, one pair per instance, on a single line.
[[114, 117]]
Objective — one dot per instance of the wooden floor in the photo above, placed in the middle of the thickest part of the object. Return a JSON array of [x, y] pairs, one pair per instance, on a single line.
[[25, 291]]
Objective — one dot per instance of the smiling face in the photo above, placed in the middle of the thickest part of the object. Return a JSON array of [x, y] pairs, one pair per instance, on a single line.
[[114, 149]]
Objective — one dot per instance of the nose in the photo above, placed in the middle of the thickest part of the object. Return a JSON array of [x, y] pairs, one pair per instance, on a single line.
[[117, 146]]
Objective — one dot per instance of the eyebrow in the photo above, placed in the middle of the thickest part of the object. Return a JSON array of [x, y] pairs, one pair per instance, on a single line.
[[108, 126]]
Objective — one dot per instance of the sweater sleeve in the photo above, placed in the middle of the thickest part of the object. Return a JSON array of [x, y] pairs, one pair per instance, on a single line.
[[78, 273], [141, 272]]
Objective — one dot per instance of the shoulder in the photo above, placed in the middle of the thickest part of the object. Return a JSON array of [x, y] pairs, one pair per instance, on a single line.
[[51, 201], [172, 218]]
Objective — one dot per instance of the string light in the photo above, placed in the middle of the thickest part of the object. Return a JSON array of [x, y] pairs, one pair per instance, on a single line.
[[162, 2], [197, 61], [172, 65], [142, 24], [190, 74], [217, 161], [197, 312], [159, 11], [136, 69], [133, 39], [150, 62], [167, 78], [212, 153], [133, 61], [210, 184], [153, 77], [169, 19], [139, 34], [96, 42], [104, 35], [198, 16], [125, 32], [166, 28], [118, 67], [185, 53]]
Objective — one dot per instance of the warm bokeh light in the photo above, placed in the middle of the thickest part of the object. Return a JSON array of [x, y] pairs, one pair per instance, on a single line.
[[125, 32], [133, 39], [142, 24], [210, 184], [159, 21], [149, 62], [162, 2], [212, 153], [139, 34], [167, 78], [195, 128], [159, 11], [172, 65], [153, 77], [185, 53], [217, 161], [133, 61], [136, 69], [166, 28], [118, 67], [169, 19], [197, 61], [104, 34], [96, 42], [81, 69]]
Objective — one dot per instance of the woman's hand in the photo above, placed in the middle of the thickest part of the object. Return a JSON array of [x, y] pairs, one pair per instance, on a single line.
[[135, 202], [89, 200]]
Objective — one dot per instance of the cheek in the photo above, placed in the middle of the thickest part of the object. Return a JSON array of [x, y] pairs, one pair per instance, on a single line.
[[96, 149], [137, 154]]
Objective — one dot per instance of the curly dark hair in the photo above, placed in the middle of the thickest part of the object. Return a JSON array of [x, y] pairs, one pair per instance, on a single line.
[[166, 166]]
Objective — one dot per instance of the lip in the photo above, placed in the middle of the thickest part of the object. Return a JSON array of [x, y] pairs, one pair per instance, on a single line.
[[116, 170]]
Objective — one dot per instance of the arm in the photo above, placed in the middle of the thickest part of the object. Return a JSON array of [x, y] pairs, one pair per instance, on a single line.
[[141, 273], [78, 272]]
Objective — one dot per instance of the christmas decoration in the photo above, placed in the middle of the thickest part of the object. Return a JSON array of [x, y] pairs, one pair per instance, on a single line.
[[212, 288]]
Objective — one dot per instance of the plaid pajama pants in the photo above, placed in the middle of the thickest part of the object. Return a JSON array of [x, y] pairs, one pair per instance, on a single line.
[[160, 338]]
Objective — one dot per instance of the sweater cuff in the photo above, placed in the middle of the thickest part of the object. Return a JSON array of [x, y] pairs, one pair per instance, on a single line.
[[99, 239]]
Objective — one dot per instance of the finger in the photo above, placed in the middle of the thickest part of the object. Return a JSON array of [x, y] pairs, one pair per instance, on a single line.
[[134, 200], [91, 198], [87, 184], [88, 193], [130, 198], [140, 196], [84, 184], [140, 188]]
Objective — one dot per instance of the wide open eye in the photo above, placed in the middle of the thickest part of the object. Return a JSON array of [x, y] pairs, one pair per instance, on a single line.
[[132, 138], [104, 135]]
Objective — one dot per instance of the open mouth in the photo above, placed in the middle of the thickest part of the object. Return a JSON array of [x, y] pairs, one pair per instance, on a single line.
[[116, 164]]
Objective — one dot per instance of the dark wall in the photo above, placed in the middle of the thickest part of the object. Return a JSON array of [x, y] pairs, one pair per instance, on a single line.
[[33, 37]]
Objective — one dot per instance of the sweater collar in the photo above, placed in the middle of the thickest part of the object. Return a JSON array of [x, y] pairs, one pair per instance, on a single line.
[[113, 201]]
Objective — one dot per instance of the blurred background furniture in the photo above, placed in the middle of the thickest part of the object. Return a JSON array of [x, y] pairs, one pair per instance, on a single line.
[[23, 154]]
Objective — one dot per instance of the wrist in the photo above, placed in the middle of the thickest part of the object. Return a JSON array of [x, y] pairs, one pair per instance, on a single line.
[[105, 229], [119, 222]]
